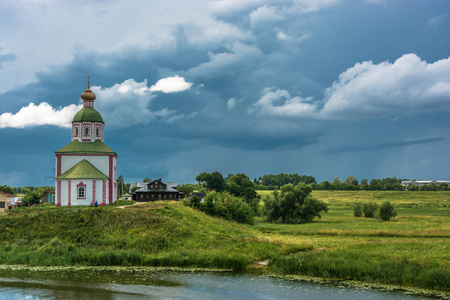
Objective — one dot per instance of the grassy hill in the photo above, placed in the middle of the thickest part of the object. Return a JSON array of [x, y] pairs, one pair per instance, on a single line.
[[411, 250], [156, 234]]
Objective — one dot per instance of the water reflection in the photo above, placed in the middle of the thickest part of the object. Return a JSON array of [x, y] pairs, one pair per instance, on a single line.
[[145, 284]]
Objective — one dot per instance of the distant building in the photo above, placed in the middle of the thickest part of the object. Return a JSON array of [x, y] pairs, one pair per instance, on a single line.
[[157, 190], [7, 201], [126, 196], [420, 183], [48, 197], [86, 169]]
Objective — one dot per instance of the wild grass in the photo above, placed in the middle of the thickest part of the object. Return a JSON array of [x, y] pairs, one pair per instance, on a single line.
[[411, 249], [156, 234]]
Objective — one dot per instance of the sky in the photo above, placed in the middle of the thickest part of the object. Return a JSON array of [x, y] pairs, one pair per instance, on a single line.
[[327, 88]]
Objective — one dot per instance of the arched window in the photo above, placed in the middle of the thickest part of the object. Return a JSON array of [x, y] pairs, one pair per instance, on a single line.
[[86, 131], [81, 192], [76, 131], [98, 131]]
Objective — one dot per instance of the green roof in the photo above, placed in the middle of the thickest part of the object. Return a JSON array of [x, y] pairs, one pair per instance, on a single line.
[[83, 170], [88, 114], [85, 147]]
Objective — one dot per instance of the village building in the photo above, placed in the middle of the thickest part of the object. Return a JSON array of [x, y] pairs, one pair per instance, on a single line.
[[420, 183], [157, 190], [7, 201], [86, 169]]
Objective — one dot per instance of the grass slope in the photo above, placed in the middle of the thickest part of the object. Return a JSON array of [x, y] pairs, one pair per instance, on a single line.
[[155, 234], [411, 250]]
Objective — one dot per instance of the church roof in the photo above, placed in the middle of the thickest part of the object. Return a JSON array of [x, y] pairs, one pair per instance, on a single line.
[[88, 114], [82, 170], [79, 147]]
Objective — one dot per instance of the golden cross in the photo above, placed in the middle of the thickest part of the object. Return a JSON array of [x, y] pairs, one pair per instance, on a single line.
[[88, 80]]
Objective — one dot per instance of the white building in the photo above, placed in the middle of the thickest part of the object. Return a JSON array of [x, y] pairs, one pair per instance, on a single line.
[[86, 169], [420, 183]]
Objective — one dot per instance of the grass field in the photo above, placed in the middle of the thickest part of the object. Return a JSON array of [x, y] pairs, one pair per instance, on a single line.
[[411, 250]]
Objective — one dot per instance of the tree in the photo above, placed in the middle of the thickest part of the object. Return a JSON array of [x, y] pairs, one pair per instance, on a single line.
[[6, 189], [364, 181], [134, 188], [293, 204], [214, 181], [187, 188], [240, 185], [369, 209], [357, 210], [120, 186], [337, 183], [147, 179], [33, 197], [387, 211]]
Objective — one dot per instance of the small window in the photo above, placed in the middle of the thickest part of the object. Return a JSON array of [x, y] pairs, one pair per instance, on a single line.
[[98, 132], [159, 197], [151, 186], [81, 192], [146, 196], [2, 204], [86, 131], [142, 197], [76, 131], [153, 197], [170, 196]]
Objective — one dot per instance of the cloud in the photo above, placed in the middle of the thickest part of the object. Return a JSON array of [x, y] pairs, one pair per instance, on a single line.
[[171, 85], [357, 148], [122, 105], [436, 21], [239, 56], [265, 15], [290, 106], [232, 102], [367, 90], [6, 57], [42, 114], [376, 2], [407, 86]]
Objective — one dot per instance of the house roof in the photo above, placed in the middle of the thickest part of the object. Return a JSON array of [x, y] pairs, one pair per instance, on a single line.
[[7, 194], [170, 186], [126, 195], [79, 147], [83, 170], [88, 114]]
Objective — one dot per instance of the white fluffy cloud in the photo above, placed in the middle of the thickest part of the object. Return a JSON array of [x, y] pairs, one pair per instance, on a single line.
[[367, 90], [407, 86], [171, 85], [122, 105], [268, 104], [231, 104], [42, 114]]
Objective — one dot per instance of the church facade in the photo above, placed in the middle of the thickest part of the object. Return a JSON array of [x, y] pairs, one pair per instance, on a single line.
[[86, 169]]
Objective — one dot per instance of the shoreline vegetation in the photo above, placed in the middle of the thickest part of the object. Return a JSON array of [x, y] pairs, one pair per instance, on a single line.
[[409, 251]]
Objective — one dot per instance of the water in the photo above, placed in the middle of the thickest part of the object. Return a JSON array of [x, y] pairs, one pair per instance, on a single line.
[[151, 284]]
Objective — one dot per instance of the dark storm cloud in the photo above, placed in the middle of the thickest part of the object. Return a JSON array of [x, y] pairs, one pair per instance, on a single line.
[[381, 146]]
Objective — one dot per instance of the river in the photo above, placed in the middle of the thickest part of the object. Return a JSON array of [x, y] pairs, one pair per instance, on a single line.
[[51, 283]]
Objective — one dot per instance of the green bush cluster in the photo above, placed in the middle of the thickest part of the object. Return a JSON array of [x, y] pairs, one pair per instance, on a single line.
[[223, 205], [293, 204], [385, 211]]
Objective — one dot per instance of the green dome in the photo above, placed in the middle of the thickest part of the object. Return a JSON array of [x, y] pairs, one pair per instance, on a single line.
[[88, 114]]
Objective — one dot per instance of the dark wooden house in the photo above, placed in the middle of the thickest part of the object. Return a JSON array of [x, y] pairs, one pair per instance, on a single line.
[[157, 190]]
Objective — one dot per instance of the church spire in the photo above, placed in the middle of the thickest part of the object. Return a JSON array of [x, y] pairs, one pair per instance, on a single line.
[[88, 96]]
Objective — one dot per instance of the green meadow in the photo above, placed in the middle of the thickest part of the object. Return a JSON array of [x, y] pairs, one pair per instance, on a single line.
[[411, 250]]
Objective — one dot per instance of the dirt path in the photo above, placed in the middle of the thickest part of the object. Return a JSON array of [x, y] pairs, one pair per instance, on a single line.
[[137, 203]]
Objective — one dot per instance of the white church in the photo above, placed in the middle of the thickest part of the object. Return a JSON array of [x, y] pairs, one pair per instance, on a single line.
[[86, 169]]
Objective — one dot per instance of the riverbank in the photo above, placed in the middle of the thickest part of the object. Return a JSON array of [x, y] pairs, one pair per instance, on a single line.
[[140, 274], [166, 234]]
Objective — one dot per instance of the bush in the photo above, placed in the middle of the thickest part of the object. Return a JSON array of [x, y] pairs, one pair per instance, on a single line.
[[369, 209], [387, 211], [294, 204], [357, 210]]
